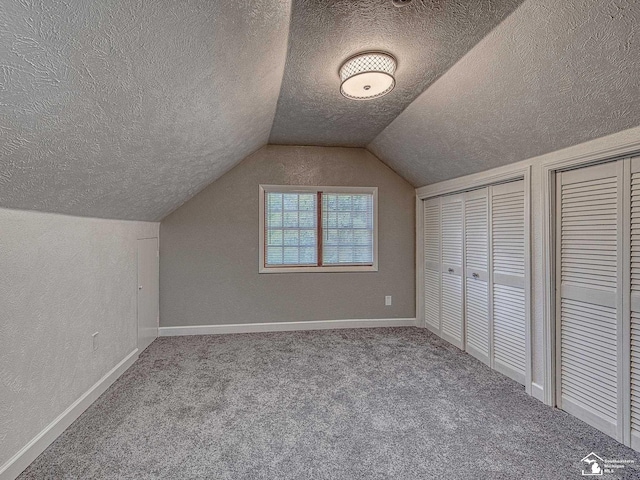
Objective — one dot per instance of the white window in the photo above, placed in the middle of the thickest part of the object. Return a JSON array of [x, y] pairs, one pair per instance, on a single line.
[[318, 229]]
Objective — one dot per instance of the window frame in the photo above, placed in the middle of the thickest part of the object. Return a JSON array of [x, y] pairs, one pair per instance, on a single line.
[[264, 189]]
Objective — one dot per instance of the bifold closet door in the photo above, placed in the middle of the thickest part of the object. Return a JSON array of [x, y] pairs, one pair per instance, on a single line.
[[452, 234], [508, 270], [634, 252], [476, 249], [432, 269], [589, 304]]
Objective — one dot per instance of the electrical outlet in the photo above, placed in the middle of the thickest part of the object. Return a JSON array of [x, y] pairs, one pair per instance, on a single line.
[[94, 339], [387, 300]]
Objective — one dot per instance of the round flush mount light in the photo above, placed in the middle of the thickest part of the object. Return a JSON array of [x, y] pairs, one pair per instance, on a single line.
[[368, 75]]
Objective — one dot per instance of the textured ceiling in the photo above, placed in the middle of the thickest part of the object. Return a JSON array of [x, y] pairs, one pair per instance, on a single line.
[[426, 36], [125, 109], [552, 75]]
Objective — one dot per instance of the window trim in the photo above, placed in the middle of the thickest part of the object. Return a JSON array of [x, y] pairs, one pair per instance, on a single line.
[[263, 189]]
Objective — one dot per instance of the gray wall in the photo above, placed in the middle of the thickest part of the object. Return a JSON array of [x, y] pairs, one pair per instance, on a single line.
[[209, 247], [63, 278]]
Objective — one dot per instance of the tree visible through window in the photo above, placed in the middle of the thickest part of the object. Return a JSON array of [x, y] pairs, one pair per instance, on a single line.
[[318, 227]]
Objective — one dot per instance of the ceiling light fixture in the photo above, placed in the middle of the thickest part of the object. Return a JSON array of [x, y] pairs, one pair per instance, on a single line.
[[368, 75]]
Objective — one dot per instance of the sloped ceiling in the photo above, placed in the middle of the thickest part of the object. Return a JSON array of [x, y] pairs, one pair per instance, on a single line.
[[552, 75], [124, 109], [426, 37]]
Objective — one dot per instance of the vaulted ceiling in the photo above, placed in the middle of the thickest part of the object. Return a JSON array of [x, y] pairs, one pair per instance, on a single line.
[[426, 38], [553, 74], [126, 109]]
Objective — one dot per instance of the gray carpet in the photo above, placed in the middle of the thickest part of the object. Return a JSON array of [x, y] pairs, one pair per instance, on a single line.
[[394, 403]]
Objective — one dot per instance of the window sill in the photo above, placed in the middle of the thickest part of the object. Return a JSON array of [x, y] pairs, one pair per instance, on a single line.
[[336, 269]]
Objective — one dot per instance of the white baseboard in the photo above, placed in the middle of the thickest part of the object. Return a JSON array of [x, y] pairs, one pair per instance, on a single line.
[[285, 326], [537, 391], [21, 460]]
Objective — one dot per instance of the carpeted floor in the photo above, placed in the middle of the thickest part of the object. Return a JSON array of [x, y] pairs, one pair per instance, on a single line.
[[348, 404]]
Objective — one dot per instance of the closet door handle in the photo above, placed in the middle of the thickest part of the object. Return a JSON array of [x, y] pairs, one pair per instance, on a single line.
[[451, 270], [475, 275]]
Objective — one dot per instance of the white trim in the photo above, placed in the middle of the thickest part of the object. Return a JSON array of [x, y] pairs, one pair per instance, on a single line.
[[528, 283], [315, 189], [491, 275], [420, 315], [316, 269], [625, 347], [286, 326], [504, 174], [537, 391], [21, 460], [323, 269]]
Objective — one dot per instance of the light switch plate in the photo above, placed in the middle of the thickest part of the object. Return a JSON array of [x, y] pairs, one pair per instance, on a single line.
[[387, 300], [94, 339]]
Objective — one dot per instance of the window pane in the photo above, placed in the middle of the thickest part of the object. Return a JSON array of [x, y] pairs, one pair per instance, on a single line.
[[344, 219], [362, 237], [274, 202], [360, 220], [291, 256], [347, 221], [360, 202], [345, 237], [344, 202], [330, 236], [290, 219], [290, 229], [362, 255], [291, 237], [307, 202], [290, 201], [274, 237], [308, 237], [330, 219], [274, 255], [308, 255], [274, 219], [330, 254], [345, 255], [307, 219]]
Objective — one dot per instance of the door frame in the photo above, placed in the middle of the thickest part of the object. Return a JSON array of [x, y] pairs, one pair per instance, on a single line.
[[157, 239], [465, 184], [599, 151]]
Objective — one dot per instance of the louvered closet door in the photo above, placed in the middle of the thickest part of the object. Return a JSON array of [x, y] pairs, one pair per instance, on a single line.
[[432, 267], [452, 308], [476, 246], [635, 303], [508, 262], [589, 306]]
